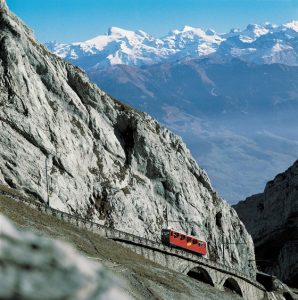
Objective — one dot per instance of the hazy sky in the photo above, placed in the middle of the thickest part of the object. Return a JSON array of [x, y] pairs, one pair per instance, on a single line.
[[76, 20]]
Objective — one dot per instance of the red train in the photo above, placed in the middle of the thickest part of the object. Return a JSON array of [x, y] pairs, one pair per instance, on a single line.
[[170, 237]]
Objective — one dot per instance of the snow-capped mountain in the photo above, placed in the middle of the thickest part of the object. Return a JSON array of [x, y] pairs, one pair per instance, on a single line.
[[119, 46], [191, 42], [265, 43], [262, 44], [136, 48]]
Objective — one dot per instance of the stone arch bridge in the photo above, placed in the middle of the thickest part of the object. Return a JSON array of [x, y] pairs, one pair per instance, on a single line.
[[218, 275]]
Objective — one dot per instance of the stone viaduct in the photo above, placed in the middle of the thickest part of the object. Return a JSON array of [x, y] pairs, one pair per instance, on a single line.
[[217, 275]]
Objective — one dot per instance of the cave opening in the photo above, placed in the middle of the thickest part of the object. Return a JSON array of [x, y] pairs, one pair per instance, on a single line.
[[125, 131]]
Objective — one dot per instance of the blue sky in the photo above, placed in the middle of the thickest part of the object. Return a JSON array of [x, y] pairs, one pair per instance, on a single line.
[[76, 20]]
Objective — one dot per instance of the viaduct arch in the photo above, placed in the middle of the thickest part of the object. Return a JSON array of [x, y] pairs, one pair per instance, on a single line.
[[226, 283], [200, 274], [232, 285]]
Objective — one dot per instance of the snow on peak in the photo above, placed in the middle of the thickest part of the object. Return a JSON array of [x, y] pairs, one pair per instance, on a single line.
[[235, 30], [269, 25], [255, 43], [252, 32], [292, 25], [258, 30], [117, 31], [142, 33], [249, 34], [210, 31], [187, 28], [191, 30]]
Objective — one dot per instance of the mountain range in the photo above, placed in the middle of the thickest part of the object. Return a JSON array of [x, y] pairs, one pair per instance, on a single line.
[[265, 43], [232, 97]]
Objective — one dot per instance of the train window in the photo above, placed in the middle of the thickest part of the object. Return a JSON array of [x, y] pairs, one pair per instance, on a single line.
[[171, 233], [182, 237], [194, 241], [176, 235], [188, 239]]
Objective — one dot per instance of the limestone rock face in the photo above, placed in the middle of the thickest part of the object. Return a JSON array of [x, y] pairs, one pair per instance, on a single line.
[[272, 219], [32, 267], [64, 139]]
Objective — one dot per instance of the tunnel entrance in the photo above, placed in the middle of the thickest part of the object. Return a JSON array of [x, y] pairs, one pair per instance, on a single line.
[[232, 285], [200, 274]]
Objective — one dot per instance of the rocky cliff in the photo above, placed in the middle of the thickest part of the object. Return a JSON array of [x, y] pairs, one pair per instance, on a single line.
[[65, 141], [272, 219]]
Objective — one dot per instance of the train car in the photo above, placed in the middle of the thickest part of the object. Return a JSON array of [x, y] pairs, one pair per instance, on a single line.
[[173, 238]]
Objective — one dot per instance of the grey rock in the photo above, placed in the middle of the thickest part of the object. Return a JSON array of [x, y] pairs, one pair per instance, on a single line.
[[272, 219], [37, 268], [64, 139]]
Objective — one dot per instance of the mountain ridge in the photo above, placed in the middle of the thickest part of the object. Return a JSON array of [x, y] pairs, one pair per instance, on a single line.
[[266, 43]]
